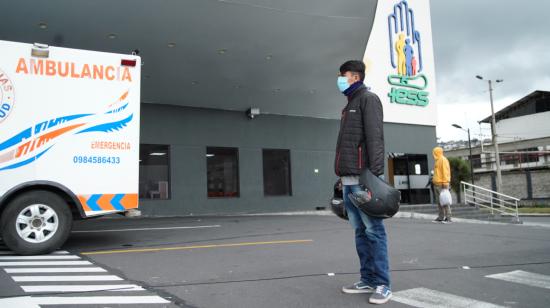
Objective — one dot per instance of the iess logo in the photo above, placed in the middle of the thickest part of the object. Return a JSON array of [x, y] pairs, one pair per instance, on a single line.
[[405, 44]]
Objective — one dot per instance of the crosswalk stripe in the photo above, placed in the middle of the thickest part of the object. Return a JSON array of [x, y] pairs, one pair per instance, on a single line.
[[104, 300], [64, 262], [28, 301], [11, 253], [426, 298], [59, 252], [44, 257], [54, 270], [44, 263], [81, 288], [523, 277], [66, 278]]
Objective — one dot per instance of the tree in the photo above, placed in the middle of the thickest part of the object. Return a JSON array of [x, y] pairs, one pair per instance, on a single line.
[[460, 171]]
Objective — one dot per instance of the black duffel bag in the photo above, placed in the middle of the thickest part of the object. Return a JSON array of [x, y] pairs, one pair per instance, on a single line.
[[376, 197]]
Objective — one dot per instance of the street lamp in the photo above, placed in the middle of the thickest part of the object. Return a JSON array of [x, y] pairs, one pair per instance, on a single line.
[[469, 147], [493, 131]]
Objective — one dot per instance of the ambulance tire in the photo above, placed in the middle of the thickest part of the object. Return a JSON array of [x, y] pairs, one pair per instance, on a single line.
[[41, 204]]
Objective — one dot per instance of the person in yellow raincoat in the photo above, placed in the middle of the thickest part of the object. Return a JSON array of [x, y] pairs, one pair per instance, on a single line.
[[441, 180]]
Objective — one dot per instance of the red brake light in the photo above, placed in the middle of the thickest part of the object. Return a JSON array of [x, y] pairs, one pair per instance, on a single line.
[[124, 62]]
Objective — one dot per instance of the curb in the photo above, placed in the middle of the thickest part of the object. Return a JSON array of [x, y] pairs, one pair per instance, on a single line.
[[534, 215]]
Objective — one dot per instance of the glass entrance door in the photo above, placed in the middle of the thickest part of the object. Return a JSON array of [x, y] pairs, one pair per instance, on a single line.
[[409, 173]]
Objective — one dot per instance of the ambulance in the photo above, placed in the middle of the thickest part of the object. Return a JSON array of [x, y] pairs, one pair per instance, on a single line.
[[69, 141]]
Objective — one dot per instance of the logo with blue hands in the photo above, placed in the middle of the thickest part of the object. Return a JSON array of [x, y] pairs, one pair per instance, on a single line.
[[405, 49]]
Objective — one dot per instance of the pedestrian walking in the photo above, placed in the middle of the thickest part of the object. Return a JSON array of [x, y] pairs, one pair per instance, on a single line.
[[441, 181]]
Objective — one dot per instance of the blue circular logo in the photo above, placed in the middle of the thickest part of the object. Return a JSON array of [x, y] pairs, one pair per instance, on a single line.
[[7, 96]]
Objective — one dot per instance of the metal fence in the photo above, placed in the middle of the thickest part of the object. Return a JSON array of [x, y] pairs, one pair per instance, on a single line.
[[491, 200]]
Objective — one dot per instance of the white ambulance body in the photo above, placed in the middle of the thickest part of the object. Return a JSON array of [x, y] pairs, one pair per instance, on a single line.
[[69, 140]]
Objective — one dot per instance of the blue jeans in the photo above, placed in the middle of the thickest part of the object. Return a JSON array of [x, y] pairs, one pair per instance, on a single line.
[[371, 242]]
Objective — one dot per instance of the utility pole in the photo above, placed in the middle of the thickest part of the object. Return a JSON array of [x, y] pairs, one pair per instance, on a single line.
[[495, 141], [494, 133], [471, 164]]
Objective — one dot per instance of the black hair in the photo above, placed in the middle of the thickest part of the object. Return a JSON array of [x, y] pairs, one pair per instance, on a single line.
[[354, 66]]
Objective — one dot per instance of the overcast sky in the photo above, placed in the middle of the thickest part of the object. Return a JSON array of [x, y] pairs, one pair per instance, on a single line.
[[495, 39]]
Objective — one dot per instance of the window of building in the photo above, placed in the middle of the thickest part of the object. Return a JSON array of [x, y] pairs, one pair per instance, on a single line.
[[520, 158], [154, 171], [476, 161], [530, 157], [222, 165], [509, 159], [411, 164], [543, 105], [277, 173], [418, 164], [400, 166]]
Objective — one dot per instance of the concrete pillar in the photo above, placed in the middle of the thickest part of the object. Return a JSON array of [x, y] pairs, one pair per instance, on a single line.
[[529, 184]]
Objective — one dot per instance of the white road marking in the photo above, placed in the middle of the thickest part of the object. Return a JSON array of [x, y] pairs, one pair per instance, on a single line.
[[11, 253], [426, 298], [35, 302], [59, 252], [67, 278], [54, 270], [44, 263], [82, 288], [16, 264], [145, 229], [523, 277], [43, 257]]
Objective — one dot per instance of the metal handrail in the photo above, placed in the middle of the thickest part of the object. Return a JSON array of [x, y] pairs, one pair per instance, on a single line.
[[493, 208], [479, 197], [490, 196], [488, 190], [473, 194]]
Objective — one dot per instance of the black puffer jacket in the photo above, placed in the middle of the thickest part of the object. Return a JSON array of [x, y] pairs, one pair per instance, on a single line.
[[361, 138]]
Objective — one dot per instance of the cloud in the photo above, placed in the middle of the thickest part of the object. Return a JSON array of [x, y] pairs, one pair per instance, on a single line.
[[493, 39], [467, 115]]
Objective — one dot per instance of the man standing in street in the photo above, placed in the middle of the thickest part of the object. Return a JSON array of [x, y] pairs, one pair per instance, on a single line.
[[441, 180], [361, 145]]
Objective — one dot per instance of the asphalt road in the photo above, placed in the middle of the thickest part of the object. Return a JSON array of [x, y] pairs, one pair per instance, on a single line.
[[282, 261]]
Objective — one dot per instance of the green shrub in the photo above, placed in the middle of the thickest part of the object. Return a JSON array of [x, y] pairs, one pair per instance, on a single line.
[[460, 171]]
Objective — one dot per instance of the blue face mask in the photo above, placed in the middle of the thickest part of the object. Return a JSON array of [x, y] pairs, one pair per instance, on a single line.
[[342, 83]]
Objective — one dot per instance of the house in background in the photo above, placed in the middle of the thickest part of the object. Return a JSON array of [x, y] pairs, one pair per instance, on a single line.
[[523, 135]]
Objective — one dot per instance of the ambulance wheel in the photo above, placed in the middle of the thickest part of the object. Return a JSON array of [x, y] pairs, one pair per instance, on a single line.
[[36, 222]]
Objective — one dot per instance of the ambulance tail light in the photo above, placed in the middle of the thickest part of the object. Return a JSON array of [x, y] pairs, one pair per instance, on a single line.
[[128, 62]]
